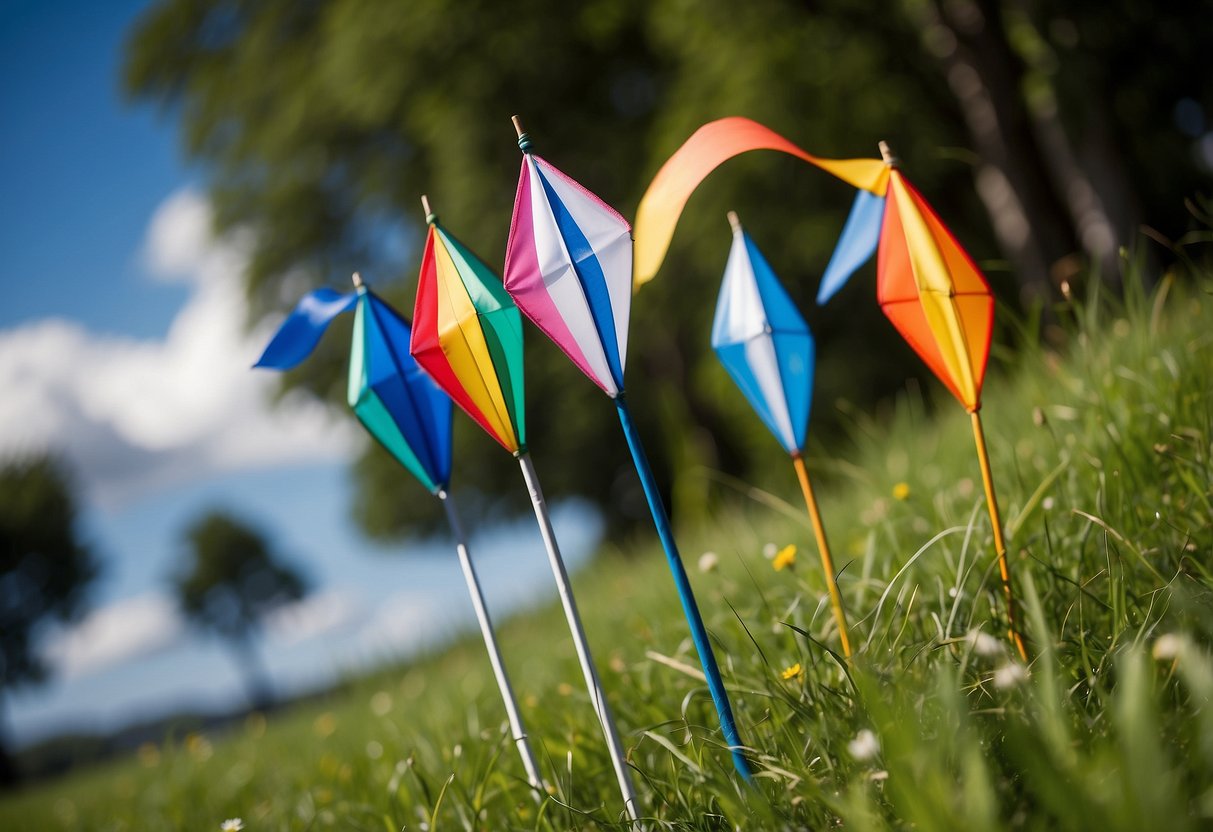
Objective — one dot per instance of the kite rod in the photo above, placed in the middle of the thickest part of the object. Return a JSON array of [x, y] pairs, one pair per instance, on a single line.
[[490, 642], [592, 683], [1000, 545], [827, 562], [699, 633]]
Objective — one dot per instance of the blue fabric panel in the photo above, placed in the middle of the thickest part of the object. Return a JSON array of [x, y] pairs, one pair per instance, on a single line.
[[733, 357], [421, 411], [781, 313], [794, 350], [593, 282]]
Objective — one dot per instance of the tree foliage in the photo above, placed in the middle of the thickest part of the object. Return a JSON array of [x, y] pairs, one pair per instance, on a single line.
[[320, 125], [231, 581], [45, 568]]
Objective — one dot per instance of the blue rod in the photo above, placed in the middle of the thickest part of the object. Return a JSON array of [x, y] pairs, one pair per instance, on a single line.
[[699, 633]]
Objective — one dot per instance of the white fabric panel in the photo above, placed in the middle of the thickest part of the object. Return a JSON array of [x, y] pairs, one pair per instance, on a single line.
[[739, 313], [561, 282], [609, 236], [760, 354]]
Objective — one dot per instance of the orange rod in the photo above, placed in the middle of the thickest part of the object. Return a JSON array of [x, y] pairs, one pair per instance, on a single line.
[[827, 563], [999, 544]]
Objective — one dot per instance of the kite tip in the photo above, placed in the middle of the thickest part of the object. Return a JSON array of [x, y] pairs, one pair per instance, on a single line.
[[886, 153], [734, 221], [430, 216], [524, 140], [357, 278]]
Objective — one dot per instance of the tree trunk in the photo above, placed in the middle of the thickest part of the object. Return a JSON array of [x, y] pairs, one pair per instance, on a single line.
[[10, 775], [1014, 181], [256, 680]]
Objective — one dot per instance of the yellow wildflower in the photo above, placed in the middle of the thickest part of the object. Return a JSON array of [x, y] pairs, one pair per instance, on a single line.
[[901, 491], [785, 557], [793, 672]]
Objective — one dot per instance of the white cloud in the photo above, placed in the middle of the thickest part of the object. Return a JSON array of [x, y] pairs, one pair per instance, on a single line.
[[179, 237], [125, 630], [136, 415], [408, 620], [315, 615]]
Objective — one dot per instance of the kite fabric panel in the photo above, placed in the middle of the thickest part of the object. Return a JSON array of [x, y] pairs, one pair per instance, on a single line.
[[568, 266], [858, 242], [467, 334], [933, 293], [764, 343], [709, 147], [393, 399]]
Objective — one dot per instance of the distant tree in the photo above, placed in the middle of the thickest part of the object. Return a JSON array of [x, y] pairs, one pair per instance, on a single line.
[[45, 569], [231, 581]]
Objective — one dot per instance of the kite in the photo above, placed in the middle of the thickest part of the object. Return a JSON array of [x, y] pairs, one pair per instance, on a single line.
[[467, 334], [767, 348], [410, 417], [568, 265]]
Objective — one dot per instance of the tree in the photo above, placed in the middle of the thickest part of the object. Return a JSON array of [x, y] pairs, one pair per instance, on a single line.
[[321, 124], [231, 581], [45, 569]]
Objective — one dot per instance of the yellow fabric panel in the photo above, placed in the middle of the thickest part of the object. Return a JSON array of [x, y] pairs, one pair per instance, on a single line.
[[464, 346], [935, 290]]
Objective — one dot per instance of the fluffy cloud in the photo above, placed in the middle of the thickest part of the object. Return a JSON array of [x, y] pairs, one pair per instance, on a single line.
[[125, 630], [135, 415], [313, 616]]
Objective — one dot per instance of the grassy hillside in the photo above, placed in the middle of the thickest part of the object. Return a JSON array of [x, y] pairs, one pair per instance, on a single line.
[[1101, 453]]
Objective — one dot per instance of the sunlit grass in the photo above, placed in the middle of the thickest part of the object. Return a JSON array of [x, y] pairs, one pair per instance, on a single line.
[[1101, 452]]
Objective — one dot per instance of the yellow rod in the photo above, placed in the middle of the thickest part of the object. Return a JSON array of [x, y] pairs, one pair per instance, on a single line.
[[999, 544], [827, 563]]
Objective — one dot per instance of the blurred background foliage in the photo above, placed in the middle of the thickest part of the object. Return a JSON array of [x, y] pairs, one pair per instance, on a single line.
[[1045, 134]]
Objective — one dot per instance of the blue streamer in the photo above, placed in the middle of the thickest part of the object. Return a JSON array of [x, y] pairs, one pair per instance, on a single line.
[[301, 331]]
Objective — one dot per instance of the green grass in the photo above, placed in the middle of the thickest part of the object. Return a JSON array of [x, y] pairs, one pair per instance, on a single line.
[[1101, 453]]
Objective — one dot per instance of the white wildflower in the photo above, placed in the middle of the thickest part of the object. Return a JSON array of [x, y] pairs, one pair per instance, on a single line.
[[984, 644], [232, 825], [769, 551], [708, 562], [865, 746], [1168, 646], [1010, 675]]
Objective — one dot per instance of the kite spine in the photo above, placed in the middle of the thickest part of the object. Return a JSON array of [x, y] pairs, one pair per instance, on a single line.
[[1000, 545], [823, 546], [699, 633], [517, 731], [592, 683]]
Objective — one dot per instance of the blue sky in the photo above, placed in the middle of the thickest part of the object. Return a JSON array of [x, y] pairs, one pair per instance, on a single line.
[[121, 348]]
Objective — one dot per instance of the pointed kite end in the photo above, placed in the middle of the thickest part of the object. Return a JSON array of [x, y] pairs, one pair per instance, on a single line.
[[886, 153], [430, 216], [734, 221], [357, 278]]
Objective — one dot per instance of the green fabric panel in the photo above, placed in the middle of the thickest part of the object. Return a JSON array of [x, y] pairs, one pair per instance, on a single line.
[[502, 325], [376, 419], [484, 287], [503, 334]]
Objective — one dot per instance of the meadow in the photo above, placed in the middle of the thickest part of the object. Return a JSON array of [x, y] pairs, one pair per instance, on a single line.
[[1101, 437]]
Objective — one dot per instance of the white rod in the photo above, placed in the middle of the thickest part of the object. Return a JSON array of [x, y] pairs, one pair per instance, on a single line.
[[593, 685], [490, 643]]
